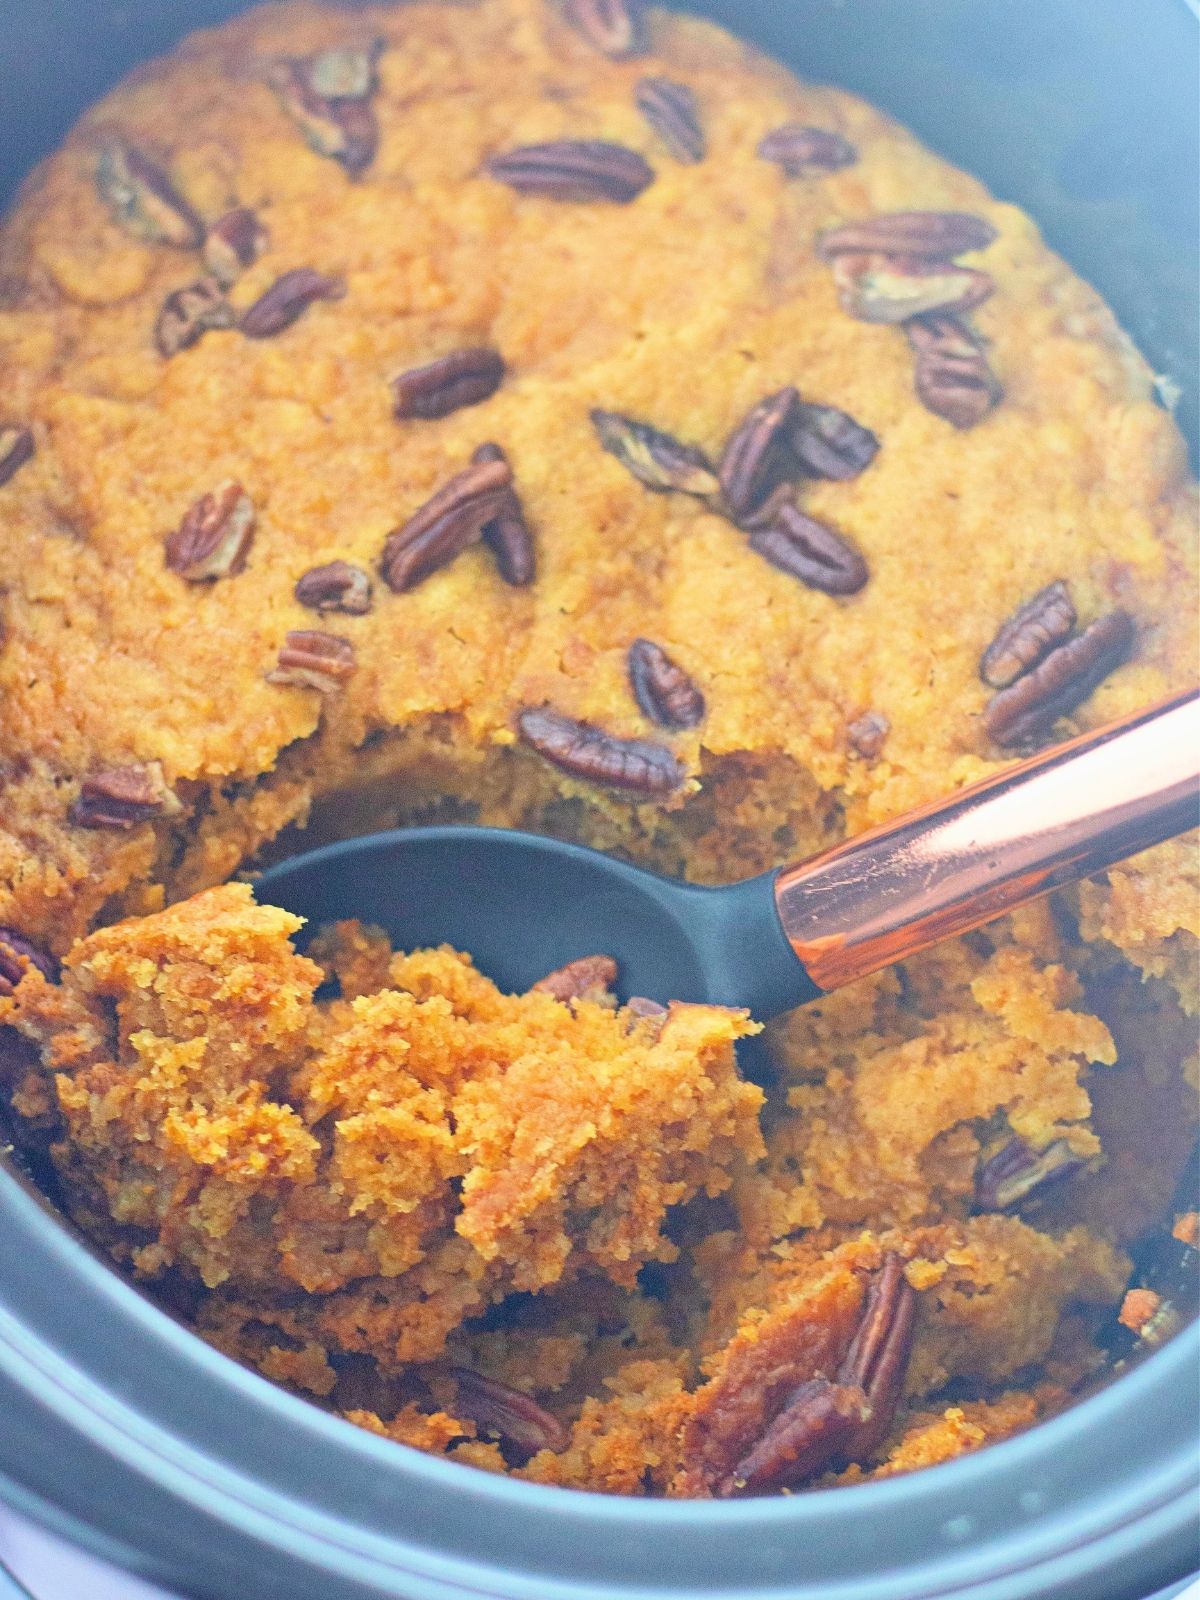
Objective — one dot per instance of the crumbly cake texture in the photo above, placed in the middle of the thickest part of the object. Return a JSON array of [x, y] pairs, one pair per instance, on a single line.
[[372, 1195], [405, 1157], [341, 1189]]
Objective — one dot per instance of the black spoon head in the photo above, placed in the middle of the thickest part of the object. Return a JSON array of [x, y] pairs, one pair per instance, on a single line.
[[519, 904]]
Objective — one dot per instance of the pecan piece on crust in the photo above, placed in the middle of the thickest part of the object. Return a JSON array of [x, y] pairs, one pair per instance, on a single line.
[[189, 313], [1015, 1171], [800, 150], [829, 443], [512, 1416], [952, 376], [235, 242], [759, 456], [662, 688], [508, 534], [809, 550], [585, 751], [589, 978], [672, 110], [892, 289], [312, 660], [123, 797], [1038, 627], [867, 734], [574, 169], [143, 199], [16, 448], [17, 956], [446, 525], [214, 536], [328, 97], [287, 299], [1028, 708], [463, 378], [931, 235], [615, 27], [823, 1423], [655, 458], [337, 586]]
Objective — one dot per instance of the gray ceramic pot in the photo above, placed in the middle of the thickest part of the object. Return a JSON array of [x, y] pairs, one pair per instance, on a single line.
[[127, 1436]]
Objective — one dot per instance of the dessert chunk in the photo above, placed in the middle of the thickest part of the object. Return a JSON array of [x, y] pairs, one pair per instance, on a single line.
[[405, 1156]]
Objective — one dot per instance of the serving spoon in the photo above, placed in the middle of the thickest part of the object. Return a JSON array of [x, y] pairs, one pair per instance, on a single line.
[[523, 905]]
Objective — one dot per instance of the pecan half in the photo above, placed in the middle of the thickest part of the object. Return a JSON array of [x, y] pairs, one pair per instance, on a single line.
[[758, 456], [144, 201], [1028, 708], [931, 235], [589, 753], [1015, 1171], [781, 497], [868, 734], [508, 535], [464, 378], [878, 1357], [189, 313], [1028, 636], [952, 377], [123, 797], [327, 97], [310, 660], [235, 242], [589, 978], [287, 299], [617, 27], [891, 289], [801, 151], [806, 549], [655, 458], [17, 956], [828, 443], [662, 688], [446, 525], [16, 448], [812, 1432], [672, 110], [574, 169], [338, 586], [513, 1416], [214, 536], [825, 1424]]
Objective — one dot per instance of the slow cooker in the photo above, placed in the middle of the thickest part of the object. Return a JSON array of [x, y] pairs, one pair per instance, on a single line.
[[143, 1452]]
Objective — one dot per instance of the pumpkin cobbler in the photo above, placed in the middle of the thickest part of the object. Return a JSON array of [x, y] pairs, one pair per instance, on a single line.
[[556, 416]]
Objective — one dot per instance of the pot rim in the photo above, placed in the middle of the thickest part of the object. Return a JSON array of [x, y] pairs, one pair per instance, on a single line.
[[185, 1461]]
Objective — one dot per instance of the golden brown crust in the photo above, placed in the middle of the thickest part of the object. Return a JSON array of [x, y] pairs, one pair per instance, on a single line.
[[128, 441]]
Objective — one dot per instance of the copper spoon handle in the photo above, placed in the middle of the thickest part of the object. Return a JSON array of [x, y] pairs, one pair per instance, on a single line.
[[963, 861]]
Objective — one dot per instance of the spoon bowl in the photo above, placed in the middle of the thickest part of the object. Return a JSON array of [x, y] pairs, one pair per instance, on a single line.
[[523, 906]]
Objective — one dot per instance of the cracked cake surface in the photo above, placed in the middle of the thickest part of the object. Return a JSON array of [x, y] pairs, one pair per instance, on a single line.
[[558, 416]]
